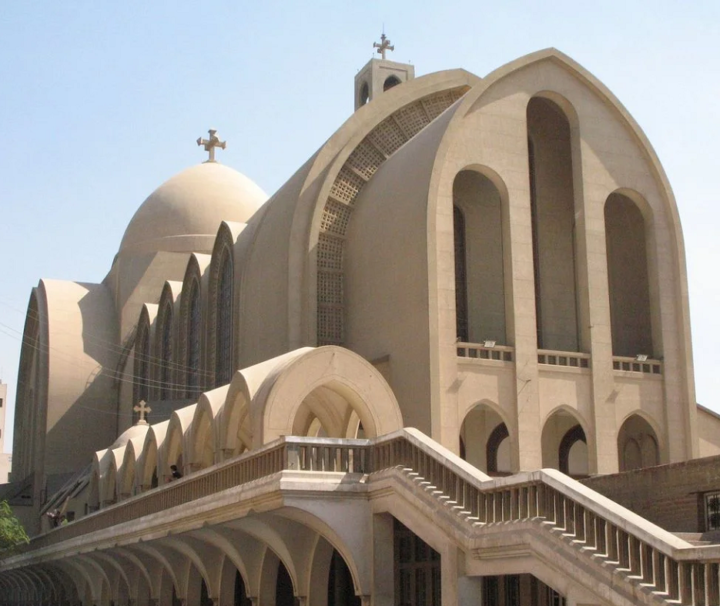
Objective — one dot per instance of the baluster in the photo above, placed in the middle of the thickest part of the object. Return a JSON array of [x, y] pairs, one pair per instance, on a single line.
[[671, 576], [611, 537], [712, 584], [685, 579], [698, 581], [634, 559], [658, 564]]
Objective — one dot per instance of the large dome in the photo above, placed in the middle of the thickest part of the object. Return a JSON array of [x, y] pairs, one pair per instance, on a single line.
[[184, 213]]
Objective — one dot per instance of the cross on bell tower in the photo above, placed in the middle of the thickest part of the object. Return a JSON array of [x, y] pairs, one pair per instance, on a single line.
[[383, 46], [380, 75], [211, 143]]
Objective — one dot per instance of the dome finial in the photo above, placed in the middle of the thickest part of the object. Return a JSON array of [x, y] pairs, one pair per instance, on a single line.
[[211, 143], [384, 45]]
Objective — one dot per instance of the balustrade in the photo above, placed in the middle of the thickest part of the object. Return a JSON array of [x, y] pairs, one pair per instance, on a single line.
[[648, 367], [656, 561], [480, 351]]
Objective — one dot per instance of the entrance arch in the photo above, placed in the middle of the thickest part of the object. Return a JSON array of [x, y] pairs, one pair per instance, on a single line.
[[328, 383]]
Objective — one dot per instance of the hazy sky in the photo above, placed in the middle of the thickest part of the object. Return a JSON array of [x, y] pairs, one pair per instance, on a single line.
[[102, 101]]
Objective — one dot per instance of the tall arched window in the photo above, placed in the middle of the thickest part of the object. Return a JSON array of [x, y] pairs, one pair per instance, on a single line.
[[142, 364], [628, 278], [552, 201], [192, 361], [223, 323], [461, 311], [166, 354], [479, 271]]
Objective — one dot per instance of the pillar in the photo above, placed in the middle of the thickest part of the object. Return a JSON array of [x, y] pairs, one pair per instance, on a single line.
[[383, 579]]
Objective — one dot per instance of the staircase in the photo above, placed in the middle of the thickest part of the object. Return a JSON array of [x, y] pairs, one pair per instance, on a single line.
[[658, 565]]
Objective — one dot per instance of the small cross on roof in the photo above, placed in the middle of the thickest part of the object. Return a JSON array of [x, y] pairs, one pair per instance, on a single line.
[[142, 409]]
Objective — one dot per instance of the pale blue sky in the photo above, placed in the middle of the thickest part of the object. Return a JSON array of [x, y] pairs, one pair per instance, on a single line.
[[102, 101]]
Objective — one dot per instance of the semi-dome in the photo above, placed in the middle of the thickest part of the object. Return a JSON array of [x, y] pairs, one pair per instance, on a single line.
[[184, 213]]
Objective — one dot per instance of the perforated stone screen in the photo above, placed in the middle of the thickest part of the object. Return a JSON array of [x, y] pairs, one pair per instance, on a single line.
[[384, 140]]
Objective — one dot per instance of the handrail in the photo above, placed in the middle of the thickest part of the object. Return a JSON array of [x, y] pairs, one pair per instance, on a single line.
[[642, 551]]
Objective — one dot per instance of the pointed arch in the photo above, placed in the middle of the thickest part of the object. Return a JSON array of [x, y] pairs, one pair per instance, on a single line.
[[166, 340], [192, 322], [638, 442], [222, 309], [143, 366], [564, 442], [306, 378], [486, 440]]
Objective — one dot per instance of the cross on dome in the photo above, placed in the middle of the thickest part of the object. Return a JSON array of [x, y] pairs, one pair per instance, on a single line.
[[142, 409], [383, 46], [211, 143]]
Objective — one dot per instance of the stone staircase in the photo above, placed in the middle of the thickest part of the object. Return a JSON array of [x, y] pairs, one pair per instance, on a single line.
[[657, 567]]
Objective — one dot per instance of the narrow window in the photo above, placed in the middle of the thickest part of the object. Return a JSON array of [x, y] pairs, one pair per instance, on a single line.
[[193, 342], [166, 354], [224, 330], [461, 313], [142, 365]]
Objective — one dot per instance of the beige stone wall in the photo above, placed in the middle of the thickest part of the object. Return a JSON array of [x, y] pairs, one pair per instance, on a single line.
[[489, 133], [671, 496]]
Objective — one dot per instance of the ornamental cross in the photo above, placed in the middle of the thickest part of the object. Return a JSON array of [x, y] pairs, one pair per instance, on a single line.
[[211, 143], [142, 409], [383, 46]]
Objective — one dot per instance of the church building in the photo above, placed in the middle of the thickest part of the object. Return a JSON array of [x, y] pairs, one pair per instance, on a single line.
[[391, 382]]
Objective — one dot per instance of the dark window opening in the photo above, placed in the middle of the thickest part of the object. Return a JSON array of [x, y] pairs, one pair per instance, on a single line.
[[390, 82]]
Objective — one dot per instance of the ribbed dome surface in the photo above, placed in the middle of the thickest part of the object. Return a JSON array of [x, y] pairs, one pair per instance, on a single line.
[[190, 205]]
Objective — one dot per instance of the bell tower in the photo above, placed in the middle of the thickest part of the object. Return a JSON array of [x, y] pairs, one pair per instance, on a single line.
[[380, 75]]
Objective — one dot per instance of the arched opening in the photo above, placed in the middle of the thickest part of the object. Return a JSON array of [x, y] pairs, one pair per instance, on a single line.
[[284, 595], [166, 353], [390, 82], [142, 364], [638, 446], [329, 410], [224, 322], [628, 278], [204, 596], [364, 94], [564, 444], [553, 225], [240, 593], [573, 455], [341, 590], [192, 361], [479, 271], [485, 441]]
